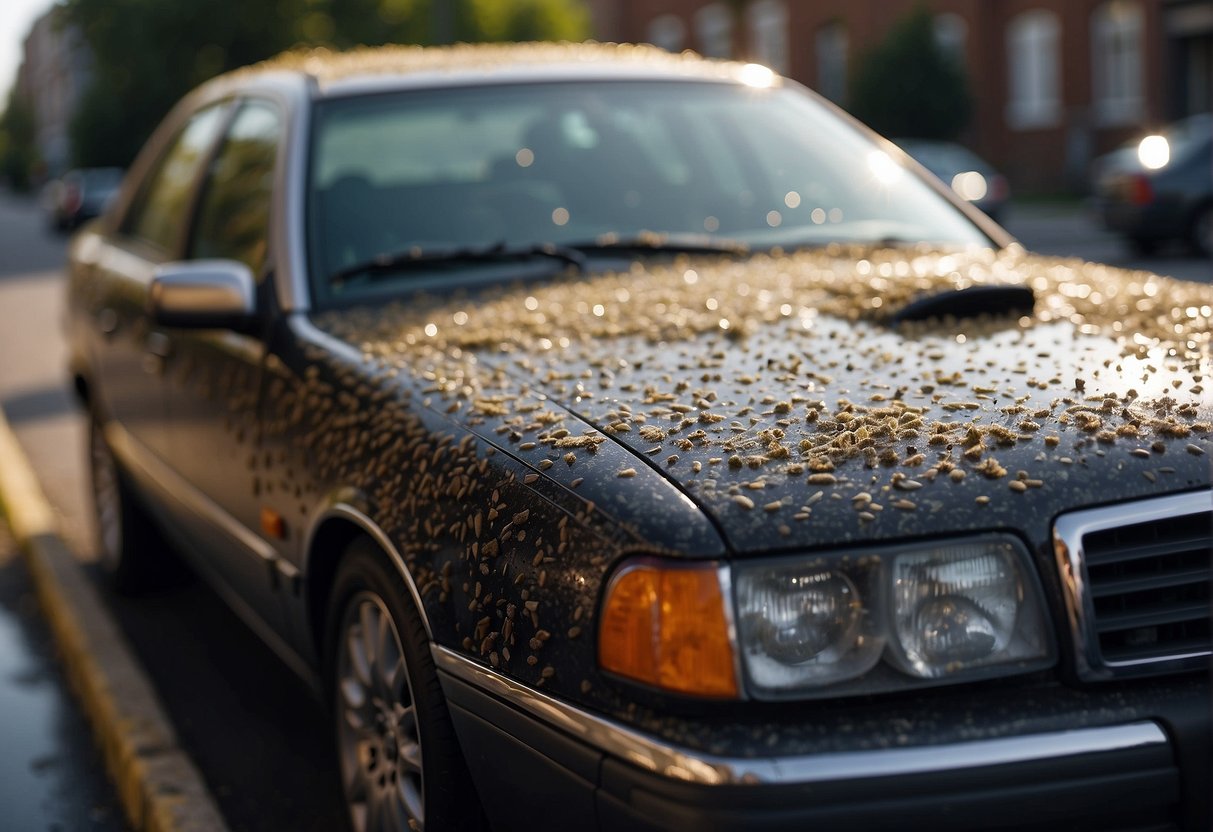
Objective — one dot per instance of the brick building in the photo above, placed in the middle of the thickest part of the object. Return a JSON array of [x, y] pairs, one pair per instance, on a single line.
[[1055, 82]]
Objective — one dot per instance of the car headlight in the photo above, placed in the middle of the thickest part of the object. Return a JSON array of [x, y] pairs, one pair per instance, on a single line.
[[892, 618], [809, 624]]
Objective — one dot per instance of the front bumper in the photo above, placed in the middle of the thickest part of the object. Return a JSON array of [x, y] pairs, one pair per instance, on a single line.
[[541, 764]]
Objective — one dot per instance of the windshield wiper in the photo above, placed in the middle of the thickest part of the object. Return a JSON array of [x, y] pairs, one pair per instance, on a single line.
[[655, 242], [969, 302], [417, 257]]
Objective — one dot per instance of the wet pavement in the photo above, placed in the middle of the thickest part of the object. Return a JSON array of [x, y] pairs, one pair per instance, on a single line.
[[51, 775]]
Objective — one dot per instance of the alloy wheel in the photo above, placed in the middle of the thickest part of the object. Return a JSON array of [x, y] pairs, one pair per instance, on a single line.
[[377, 735]]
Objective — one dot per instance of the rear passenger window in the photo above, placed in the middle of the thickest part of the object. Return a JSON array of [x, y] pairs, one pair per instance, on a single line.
[[233, 218], [159, 209]]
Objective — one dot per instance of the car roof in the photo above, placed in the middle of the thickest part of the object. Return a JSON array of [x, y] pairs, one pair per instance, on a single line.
[[369, 69]]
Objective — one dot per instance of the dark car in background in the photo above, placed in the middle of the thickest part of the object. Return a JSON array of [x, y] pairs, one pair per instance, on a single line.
[[1160, 188], [971, 177], [628, 441], [80, 195]]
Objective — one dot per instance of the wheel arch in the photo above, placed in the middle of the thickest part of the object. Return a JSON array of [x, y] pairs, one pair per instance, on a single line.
[[335, 530]]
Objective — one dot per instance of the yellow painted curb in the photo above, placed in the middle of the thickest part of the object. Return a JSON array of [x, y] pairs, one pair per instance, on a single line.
[[158, 785]]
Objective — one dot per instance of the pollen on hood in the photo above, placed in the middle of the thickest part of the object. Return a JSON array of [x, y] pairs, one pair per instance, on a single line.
[[328, 65], [738, 371]]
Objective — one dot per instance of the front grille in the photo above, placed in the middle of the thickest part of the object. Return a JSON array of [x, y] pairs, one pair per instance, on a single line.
[[1139, 598]]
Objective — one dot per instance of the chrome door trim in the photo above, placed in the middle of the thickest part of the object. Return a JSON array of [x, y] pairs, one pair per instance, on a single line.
[[1068, 532], [694, 766], [349, 513]]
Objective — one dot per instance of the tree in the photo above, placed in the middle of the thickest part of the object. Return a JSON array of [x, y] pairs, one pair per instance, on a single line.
[[149, 53], [908, 87], [18, 151]]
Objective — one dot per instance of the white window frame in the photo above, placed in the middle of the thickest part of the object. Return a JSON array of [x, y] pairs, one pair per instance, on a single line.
[[714, 31], [767, 23], [951, 33], [668, 32], [1034, 70], [1117, 29], [832, 44]]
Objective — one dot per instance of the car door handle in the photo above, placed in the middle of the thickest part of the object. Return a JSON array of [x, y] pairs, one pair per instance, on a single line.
[[107, 321], [159, 345]]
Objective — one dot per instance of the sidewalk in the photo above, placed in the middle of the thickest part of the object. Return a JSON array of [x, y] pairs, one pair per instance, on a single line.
[[51, 774]]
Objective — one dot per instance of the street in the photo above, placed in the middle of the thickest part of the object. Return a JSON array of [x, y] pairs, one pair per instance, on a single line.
[[260, 738]]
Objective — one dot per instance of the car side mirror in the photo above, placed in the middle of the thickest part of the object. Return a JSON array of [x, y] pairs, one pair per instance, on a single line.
[[203, 294]]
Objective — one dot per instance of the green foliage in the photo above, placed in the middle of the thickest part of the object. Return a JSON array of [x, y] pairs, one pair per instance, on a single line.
[[149, 53], [907, 87], [18, 152]]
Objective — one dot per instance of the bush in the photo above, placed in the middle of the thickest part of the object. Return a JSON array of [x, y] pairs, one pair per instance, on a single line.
[[908, 87]]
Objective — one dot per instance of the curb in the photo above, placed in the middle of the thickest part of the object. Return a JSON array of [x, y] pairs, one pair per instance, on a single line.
[[157, 783]]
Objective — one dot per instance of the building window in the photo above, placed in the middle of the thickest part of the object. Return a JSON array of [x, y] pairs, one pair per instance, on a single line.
[[832, 46], [668, 32], [1116, 65], [714, 30], [767, 21], [1033, 41], [951, 34]]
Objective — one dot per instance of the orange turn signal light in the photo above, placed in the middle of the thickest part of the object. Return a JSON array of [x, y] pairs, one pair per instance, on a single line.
[[666, 626]]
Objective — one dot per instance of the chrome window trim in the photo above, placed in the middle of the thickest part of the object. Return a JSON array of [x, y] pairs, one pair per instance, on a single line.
[[707, 769], [1068, 532], [290, 221]]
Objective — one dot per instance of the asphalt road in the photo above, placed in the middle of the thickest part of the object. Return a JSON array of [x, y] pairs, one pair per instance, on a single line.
[[1067, 230], [260, 739]]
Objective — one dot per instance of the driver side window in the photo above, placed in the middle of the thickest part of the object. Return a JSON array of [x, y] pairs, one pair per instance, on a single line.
[[162, 203], [233, 216]]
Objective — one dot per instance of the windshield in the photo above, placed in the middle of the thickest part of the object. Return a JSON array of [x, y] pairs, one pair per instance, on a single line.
[[566, 163]]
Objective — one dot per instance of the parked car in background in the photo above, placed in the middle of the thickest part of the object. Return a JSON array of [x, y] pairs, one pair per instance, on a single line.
[[628, 441], [971, 177], [80, 195], [1160, 188]]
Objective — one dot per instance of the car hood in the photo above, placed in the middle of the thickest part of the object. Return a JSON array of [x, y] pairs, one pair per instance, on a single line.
[[775, 394]]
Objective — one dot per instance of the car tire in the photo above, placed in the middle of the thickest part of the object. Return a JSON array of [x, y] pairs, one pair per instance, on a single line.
[[1200, 234], [130, 551], [384, 716]]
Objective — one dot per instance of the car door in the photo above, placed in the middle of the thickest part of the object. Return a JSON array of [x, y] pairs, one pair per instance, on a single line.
[[214, 375], [128, 347]]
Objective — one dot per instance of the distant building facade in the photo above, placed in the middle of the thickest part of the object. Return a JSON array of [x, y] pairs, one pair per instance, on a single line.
[[55, 71], [1055, 82]]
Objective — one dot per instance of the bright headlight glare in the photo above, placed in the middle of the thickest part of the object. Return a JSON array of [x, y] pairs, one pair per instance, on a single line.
[[961, 607], [1154, 152], [808, 624]]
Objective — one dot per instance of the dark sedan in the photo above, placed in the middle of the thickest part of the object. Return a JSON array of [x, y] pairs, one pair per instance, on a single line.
[[1161, 188], [971, 177], [633, 441], [81, 195]]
